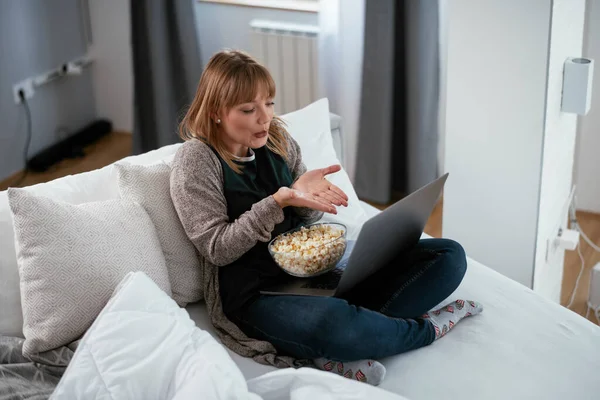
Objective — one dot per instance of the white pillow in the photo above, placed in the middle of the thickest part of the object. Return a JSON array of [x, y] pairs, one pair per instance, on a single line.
[[71, 258], [149, 186], [176, 360], [73, 189], [310, 127], [97, 185], [142, 346]]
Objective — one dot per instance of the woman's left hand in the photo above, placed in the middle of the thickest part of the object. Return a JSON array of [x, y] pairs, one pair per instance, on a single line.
[[314, 182]]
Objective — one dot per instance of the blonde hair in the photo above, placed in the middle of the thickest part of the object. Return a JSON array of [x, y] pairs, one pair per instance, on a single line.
[[231, 77]]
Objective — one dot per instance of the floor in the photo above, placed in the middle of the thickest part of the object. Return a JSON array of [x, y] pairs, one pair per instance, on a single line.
[[434, 224], [107, 150], [117, 145], [590, 225]]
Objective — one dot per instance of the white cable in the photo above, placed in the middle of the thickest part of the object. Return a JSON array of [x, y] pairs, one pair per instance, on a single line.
[[587, 239], [575, 222], [587, 313], [578, 276]]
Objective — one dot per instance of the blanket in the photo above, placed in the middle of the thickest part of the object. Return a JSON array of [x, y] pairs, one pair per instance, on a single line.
[[143, 346], [32, 379]]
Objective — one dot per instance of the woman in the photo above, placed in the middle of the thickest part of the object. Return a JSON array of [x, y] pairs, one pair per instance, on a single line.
[[236, 182]]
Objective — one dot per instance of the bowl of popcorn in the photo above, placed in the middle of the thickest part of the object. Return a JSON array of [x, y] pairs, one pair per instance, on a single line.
[[309, 250]]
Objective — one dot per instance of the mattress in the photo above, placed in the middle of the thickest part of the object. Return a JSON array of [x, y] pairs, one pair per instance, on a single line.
[[522, 346]]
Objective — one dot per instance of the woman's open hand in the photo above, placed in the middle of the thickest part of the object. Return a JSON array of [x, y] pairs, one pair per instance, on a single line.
[[313, 182], [291, 197]]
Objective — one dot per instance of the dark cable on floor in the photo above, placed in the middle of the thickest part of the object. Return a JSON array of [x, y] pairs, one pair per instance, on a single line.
[[27, 142]]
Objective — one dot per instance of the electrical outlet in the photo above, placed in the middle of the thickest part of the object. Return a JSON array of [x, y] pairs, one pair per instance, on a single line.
[[552, 244], [26, 86]]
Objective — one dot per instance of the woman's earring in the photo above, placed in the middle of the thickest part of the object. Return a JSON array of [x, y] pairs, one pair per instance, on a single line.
[[218, 121]]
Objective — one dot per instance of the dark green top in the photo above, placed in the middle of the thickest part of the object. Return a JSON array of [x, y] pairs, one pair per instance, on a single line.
[[263, 173]]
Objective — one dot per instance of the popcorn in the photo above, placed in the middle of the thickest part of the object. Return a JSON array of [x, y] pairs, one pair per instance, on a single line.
[[308, 251]]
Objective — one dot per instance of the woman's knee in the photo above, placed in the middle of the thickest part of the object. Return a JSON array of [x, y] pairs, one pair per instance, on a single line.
[[455, 257]]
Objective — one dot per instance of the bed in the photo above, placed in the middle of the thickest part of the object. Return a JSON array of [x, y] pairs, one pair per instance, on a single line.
[[522, 346]]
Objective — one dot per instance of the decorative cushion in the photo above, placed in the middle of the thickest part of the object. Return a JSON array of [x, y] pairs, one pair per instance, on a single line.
[[142, 346], [149, 187], [97, 185], [71, 258]]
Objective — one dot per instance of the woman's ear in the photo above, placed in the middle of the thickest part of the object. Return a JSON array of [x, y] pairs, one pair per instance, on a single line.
[[215, 117]]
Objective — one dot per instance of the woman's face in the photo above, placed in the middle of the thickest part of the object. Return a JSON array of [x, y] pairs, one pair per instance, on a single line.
[[247, 125]]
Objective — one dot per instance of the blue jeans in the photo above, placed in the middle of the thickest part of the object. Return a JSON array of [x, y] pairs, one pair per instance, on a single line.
[[380, 317]]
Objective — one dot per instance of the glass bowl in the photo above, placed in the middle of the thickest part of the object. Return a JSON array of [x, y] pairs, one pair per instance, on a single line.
[[315, 256]]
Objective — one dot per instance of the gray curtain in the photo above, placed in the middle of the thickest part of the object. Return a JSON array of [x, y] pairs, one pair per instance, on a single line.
[[398, 129], [166, 68]]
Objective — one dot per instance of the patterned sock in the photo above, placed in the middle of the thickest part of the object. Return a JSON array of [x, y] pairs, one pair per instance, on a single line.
[[446, 317], [368, 371]]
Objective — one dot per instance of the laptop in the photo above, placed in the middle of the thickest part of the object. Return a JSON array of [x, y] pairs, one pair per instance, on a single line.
[[381, 239]]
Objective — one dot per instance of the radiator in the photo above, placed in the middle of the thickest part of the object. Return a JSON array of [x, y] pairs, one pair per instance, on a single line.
[[289, 51]]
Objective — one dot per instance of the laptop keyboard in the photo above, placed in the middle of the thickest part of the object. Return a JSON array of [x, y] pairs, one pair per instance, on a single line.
[[331, 279], [328, 281]]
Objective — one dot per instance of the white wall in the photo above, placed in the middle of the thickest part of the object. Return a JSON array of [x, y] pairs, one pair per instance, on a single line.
[[495, 105], [112, 69], [587, 174], [566, 39], [509, 148]]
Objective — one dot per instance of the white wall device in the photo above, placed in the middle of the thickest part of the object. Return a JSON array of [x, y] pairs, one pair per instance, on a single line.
[[568, 239], [594, 296], [28, 86], [577, 85]]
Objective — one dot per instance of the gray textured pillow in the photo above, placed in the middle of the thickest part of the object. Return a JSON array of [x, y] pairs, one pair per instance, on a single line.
[[72, 257], [149, 186]]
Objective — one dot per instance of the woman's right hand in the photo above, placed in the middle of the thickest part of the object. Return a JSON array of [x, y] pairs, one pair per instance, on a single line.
[[292, 197]]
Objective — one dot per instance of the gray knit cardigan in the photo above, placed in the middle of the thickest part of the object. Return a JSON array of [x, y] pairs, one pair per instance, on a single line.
[[198, 196]]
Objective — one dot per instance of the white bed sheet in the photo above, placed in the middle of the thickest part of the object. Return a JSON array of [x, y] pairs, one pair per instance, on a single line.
[[522, 346]]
